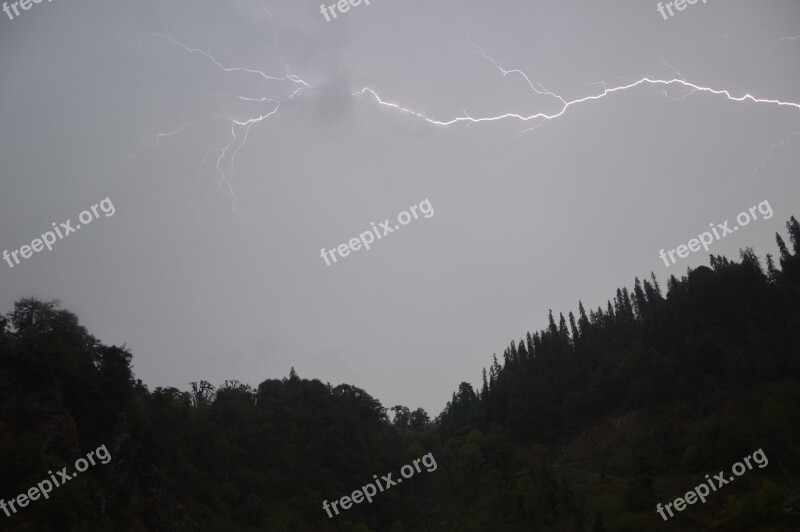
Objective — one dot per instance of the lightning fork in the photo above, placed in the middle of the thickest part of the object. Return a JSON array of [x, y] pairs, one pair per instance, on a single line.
[[607, 91], [226, 155], [566, 104]]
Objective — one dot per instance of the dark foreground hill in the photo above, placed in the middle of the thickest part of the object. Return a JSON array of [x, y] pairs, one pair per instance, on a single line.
[[585, 425]]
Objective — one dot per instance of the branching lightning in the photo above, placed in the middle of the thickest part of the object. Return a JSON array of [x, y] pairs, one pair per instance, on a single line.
[[767, 150], [291, 86], [539, 118], [692, 87], [240, 128]]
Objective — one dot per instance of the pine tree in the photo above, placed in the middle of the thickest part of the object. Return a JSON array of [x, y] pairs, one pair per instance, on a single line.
[[772, 271], [583, 321], [551, 326], [510, 355], [573, 328], [627, 305], [672, 285], [531, 352], [494, 371], [639, 299], [564, 343], [782, 247], [655, 284], [794, 233], [522, 353]]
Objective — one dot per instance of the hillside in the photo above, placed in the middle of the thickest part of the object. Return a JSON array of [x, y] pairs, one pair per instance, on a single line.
[[587, 424]]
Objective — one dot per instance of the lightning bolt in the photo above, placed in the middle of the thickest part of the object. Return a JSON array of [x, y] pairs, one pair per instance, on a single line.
[[543, 117], [691, 87], [155, 138], [767, 150], [239, 128], [293, 87], [661, 86]]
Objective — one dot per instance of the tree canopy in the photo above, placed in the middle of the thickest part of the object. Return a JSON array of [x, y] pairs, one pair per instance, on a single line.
[[582, 425]]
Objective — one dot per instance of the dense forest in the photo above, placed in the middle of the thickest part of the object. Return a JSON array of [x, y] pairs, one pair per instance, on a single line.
[[584, 425]]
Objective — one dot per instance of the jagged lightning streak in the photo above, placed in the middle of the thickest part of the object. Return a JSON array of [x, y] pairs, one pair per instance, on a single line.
[[155, 138], [745, 148], [692, 87], [545, 117], [537, 90], [661, 86], [226, 155], [240, 128], [769, 150], [219, 65]]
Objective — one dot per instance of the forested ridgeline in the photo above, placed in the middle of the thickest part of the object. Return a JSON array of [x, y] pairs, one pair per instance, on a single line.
[[584, 425]]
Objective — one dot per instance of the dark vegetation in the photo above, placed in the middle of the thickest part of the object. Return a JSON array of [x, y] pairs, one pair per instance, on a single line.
[[584, 425]]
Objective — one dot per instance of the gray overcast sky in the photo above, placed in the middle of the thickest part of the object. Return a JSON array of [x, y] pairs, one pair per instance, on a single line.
[[204, 284]]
